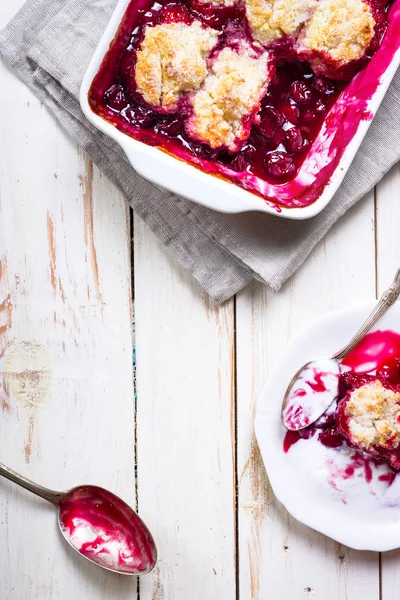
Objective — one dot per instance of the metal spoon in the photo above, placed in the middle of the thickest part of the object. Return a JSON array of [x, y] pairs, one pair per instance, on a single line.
[[98, 525], [296, 414]]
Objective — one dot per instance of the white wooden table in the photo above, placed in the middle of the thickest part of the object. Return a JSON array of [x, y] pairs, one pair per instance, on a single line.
[[179, 445]]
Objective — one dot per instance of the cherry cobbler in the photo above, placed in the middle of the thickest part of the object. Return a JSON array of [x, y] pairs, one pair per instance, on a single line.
[[368, 417], [365, 417], [239, 88]]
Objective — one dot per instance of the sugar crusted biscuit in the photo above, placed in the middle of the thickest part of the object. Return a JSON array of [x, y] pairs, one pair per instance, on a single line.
[[173, 59], [230, 96], [271, 19], [373, 416], [341, 30]]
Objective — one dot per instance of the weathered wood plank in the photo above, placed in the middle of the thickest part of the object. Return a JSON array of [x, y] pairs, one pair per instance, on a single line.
[[280, 558], [387, 261], [185, 428], [65, 346]]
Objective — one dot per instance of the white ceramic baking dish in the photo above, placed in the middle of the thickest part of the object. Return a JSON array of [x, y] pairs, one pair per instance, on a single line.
[[206, 189]]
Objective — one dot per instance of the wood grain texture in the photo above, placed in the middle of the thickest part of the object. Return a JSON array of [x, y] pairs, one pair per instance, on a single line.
[[67, 408], [387, 261], [66, 398], [278, 555], [185, 428]]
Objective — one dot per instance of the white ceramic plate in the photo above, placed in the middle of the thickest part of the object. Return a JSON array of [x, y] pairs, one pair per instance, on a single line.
[[361, 515], [208, 190]]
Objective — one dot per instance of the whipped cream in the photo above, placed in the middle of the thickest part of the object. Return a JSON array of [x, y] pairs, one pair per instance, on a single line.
[[314, 390], [349, 477]]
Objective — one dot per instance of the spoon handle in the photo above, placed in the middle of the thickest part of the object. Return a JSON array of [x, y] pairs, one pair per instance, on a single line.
[[49, 495], [387, 299]]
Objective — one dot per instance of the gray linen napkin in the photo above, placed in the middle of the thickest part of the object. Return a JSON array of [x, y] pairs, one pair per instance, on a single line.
[[50, 43]]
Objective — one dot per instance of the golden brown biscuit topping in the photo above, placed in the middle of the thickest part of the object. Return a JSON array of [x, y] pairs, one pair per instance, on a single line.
[[172, 60], [270, 19], [232, 90], [373, 414], [340, 29]]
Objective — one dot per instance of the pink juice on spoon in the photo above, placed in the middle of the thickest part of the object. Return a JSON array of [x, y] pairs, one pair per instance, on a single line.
[[106, 530], [316, 387]]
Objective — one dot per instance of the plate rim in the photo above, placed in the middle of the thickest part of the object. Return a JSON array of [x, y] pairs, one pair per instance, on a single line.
[[371, 541]]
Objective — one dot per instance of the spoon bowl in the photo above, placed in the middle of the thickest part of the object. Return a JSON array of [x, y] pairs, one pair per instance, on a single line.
[[106, 531], [318, 379], [99, 526]]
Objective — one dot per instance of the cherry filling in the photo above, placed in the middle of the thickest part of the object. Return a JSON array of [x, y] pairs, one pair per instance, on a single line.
[[291, 115], [333, 430], [348, 71]]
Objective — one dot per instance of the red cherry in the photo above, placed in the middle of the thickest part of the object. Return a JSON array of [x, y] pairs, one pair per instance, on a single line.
[[249, 151], [295, 140], [239, 163], [330, 438], [278, 116], [175, 13], [271, 120], [171, 127], [115, 98], [300, 92], [203, 151], [291, 111], [279, 164], [211, 15], [138, 116]]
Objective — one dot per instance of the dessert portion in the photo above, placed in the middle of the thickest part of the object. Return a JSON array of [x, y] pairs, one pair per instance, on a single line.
[[241, 88], [366, 416], [329, 34], [369, 418], [228, 102], [172, 60], [272, 19], [338, 32]]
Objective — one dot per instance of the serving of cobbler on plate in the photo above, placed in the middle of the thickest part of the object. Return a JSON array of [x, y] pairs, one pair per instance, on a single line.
[[238, 88], [340, 474], [364, 419]]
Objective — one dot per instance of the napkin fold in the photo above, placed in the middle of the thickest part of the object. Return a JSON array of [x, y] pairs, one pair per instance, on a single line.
[[50, 42]]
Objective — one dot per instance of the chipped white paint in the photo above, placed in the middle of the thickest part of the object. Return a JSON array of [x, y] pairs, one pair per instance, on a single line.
[[67, 410], [27, 373]]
